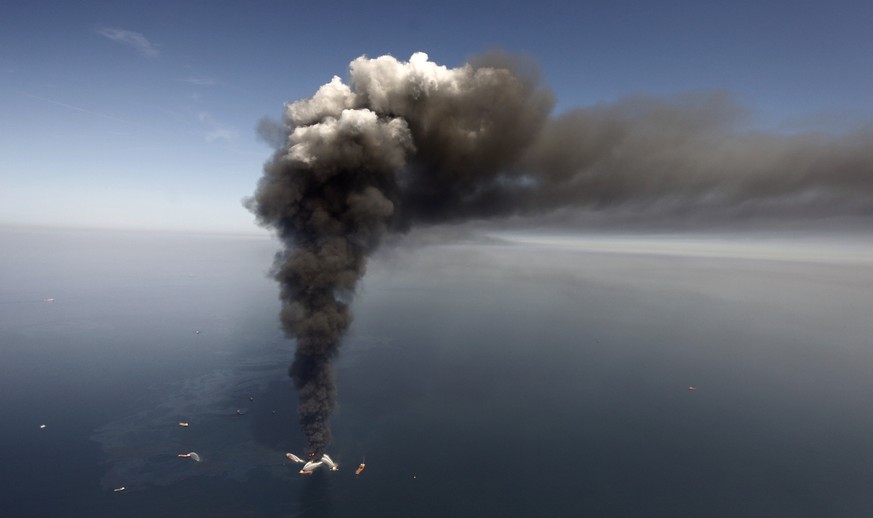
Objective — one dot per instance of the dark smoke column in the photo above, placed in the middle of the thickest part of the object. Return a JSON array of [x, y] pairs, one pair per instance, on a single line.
[[406, 141], [324, 193]]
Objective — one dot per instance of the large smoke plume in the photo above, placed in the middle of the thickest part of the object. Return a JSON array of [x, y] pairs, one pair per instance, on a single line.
[[414, 142]]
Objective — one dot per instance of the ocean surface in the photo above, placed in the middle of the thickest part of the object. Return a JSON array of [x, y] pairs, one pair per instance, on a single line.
[[509, 376]]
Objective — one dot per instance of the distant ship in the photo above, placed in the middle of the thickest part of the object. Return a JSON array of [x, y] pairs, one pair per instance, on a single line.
[[309, 467]]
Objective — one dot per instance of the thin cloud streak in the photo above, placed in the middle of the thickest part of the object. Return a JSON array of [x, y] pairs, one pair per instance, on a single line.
[[134, 39], [200, 81], [76, 108]]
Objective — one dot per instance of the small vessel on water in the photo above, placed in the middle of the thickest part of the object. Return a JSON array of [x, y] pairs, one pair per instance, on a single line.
[[294, 458], [309, 467], [190, 455], [360, 469], [330, 463]]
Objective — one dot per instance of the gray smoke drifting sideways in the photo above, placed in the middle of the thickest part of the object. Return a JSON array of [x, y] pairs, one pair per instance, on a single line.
[[415, 142]]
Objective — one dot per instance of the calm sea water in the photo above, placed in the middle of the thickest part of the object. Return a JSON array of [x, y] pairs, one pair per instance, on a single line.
[[533, 378]]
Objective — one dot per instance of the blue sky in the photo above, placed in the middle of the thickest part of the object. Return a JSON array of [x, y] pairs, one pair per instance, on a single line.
[[142, 115]]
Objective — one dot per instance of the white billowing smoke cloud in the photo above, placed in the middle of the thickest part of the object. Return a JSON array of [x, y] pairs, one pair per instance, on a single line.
[[357, 139], [329, 101], [415, 142]]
